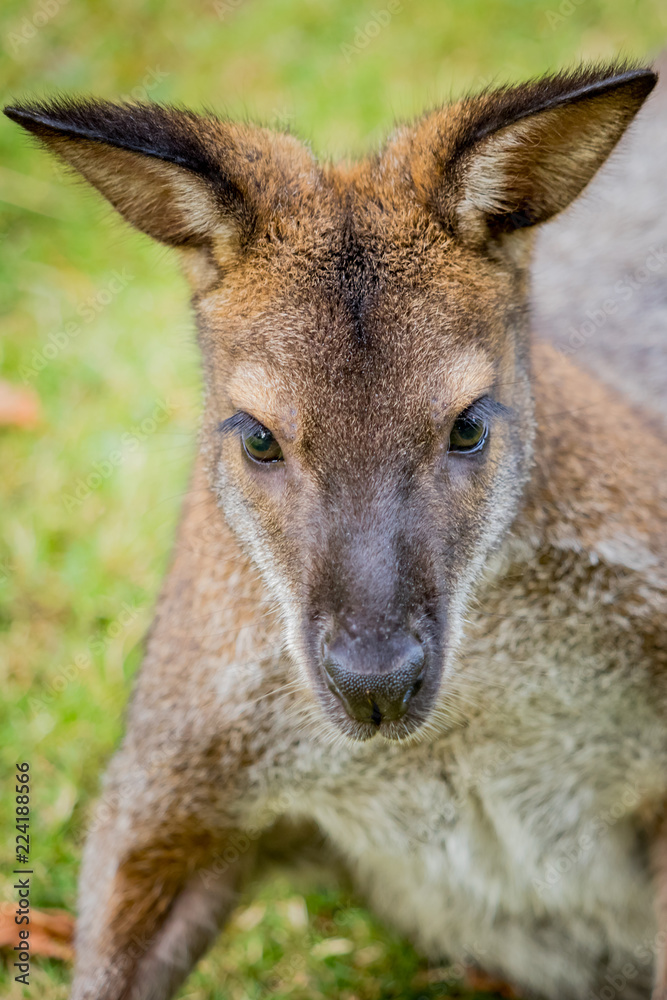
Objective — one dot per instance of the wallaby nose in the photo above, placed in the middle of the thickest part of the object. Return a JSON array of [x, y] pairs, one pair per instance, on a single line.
[[375, 682]]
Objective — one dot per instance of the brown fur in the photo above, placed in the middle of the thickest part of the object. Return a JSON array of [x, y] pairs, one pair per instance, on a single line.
[[357, 310]]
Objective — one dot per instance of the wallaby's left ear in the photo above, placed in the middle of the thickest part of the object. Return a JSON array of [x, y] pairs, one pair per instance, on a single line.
[[185, 179], [514, 157]]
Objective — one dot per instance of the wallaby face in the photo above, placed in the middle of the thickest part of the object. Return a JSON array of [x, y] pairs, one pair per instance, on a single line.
[[369, 422], [368, 428]]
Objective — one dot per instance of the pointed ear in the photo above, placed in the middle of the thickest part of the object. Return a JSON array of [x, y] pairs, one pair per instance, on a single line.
[[512, 158], [183, 179]]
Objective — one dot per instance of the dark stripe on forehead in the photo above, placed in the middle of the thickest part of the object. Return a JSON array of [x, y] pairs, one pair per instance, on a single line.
[[356, 271]]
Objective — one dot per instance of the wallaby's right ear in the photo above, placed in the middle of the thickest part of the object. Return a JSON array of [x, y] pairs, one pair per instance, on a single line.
[[511, 158], [182, 178]]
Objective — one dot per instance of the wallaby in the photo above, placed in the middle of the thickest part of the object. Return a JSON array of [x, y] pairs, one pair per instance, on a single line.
[[418, 593]]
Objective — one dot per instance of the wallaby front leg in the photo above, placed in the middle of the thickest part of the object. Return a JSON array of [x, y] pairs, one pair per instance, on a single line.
[[158, 915], [152, 902]]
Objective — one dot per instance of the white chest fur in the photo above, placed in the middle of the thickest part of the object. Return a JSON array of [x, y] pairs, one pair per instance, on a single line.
[[515, 848]]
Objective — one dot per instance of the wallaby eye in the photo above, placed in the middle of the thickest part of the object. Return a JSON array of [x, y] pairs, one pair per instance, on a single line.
[[468, 433], [261, 446]]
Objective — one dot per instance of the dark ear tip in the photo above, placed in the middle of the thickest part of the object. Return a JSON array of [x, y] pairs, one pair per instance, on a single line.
[[652, 78], [640, 81], [40, 116], [12, 112], [27, 117], [645, 76], [637, 80]]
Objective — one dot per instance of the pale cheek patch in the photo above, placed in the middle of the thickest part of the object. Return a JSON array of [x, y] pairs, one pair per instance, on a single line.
[[459, 380], [267, 397]]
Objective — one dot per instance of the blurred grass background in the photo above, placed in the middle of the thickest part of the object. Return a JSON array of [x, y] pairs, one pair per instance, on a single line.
[[79, 573]]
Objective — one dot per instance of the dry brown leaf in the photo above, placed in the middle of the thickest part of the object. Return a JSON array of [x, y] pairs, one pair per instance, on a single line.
[[19, 407], [51, 932], [477, 980]]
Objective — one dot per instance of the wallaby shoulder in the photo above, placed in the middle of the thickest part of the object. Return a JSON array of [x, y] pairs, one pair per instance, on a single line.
[[599, 485]]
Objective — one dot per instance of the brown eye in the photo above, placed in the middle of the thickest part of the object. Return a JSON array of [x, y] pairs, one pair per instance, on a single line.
[[261, 446], [468, 434]]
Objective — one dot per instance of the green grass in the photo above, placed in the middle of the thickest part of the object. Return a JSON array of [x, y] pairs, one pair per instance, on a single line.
[[78, 578]]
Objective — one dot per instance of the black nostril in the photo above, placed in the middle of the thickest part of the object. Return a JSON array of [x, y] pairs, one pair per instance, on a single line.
[[375, 681]]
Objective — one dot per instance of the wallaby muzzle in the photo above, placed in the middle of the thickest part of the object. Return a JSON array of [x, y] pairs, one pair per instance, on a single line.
[[376, 684]]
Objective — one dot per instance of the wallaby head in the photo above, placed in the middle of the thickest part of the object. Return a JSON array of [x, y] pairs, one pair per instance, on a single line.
[[369, 423]]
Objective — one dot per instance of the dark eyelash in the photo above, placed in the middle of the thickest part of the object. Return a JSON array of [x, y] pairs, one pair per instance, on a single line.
[[240, 423], [486, 408]]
